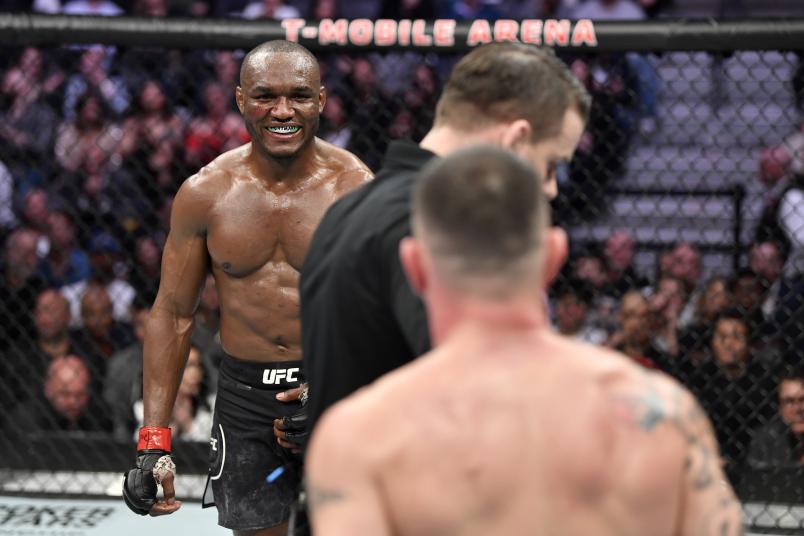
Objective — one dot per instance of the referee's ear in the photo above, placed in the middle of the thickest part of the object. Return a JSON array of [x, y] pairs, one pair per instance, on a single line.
[[410, 255]]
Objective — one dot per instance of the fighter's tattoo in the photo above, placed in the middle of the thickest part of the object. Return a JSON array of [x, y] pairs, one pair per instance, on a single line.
[[318, 497], [647, 409], [656, 404]]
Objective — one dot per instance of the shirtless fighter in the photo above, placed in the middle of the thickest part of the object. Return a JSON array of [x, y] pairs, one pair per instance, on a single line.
[[248, 216], [507, 427]]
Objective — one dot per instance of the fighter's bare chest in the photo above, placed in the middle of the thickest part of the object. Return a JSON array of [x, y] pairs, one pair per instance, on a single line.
[[253, 229]]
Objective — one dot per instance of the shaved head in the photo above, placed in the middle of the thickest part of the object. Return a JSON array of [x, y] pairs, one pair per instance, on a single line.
[[259, 54], [280, 87]]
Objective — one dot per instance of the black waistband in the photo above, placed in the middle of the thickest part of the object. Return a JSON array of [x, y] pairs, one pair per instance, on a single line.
[[263, 375]]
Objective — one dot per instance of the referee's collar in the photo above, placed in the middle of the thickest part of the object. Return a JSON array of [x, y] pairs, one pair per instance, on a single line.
[[405, 155]]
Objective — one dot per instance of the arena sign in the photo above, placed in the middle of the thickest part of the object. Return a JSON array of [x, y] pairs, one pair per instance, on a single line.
[[441, 33], [27, 516]]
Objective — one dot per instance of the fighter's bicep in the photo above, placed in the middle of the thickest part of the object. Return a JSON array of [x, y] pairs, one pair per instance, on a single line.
[[185, 262], [185, 258]]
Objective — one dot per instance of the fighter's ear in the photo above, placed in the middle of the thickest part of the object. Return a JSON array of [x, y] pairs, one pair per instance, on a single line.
[[556, 248], [410, 255], [322, 98], [239, 98], [516, 133]]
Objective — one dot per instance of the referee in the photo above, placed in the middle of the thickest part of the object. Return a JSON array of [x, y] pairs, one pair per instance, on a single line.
[[360, 319]]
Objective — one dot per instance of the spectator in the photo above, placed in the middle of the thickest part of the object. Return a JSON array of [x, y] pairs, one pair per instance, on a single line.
[[217, 131], [93, 76], [590, 266], [106, 267], [36, 209], [66, 403], [686, 266], [192, 412], [420, 99], [270, 9], [325, 9], [145, 274], [781, 171], [573, 299], [780, 443], [82, 138], [695, 339], [335, 126], [151, 152], [619, 261], [666, 303], [684, 263], [122, 387], [27, 122], [733, 388], [375, 109], [65, 263], [749, 292], [600, 158], [766, 260], [226, 67], [20, 283], [634, 336], [25, 362], [101, 336]]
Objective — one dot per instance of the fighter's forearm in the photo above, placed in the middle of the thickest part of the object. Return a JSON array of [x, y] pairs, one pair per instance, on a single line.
[[167, 344]]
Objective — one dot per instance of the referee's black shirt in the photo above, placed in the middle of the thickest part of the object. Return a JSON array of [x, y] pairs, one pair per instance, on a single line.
[[359, 317]]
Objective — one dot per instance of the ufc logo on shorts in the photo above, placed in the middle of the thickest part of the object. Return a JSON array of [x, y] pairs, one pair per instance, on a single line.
[[275, 376]]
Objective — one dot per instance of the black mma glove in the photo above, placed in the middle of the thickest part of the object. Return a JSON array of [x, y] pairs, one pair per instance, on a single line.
[[153, 464], [295, 426]]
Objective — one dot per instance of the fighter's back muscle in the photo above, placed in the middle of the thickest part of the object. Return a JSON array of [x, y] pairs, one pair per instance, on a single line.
[[518, 442]]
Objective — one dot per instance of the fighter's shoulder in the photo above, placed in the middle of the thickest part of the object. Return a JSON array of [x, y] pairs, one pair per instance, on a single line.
[[349, 172], [214, 178], [336, 430], [642, 397]]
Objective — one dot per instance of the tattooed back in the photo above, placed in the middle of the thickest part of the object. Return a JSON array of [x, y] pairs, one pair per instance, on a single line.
[[523, 434]]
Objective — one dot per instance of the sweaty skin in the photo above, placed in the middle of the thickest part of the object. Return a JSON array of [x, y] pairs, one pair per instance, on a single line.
[[248, 216], [514, 433]]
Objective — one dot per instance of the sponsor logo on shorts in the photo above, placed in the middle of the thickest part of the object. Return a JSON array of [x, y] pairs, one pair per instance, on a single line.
[[276, 376]]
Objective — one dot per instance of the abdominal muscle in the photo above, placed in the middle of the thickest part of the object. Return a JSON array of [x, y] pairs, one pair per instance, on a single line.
[[260, 313]]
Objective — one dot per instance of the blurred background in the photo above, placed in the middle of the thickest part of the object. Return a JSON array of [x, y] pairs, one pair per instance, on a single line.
[[684, 205]]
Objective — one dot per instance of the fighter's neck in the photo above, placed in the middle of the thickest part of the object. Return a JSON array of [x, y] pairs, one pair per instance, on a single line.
[[291, 171], [480, 318], [444, 140]]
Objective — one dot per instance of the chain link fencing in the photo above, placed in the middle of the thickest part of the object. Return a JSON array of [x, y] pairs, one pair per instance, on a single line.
[[684, 205]]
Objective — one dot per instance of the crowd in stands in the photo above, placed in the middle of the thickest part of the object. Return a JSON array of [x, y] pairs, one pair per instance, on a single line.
[[352, 9], [95, 141]]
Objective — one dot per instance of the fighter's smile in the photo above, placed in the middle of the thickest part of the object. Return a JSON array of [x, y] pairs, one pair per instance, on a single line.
[[284, 131]]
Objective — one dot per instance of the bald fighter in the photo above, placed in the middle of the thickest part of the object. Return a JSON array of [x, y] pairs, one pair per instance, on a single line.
[[248, 216], [507, 427]]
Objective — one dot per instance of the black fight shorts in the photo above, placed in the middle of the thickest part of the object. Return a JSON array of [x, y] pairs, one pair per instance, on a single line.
[[243, 448]]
